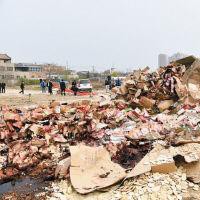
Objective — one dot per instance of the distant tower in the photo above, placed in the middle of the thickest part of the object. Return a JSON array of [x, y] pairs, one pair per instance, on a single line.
[[163, 60]]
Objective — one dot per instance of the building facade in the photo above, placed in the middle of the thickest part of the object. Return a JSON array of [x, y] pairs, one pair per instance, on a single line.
[[28, 67], [6, 68], [163, 60], [29, 71], [11, 73]]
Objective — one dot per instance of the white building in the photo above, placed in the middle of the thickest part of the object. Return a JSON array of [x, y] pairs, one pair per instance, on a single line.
[[163, 60]]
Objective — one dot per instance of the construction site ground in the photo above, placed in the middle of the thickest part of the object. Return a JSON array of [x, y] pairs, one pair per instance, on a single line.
[[144, 187], [12, 97], [25, 188]]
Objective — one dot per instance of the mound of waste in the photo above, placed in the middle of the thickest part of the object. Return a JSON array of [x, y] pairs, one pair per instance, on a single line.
[[152, 127]]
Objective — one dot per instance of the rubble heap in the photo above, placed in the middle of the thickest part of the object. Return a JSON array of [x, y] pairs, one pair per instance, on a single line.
[[160, 90], [38, 138], [150, 133]]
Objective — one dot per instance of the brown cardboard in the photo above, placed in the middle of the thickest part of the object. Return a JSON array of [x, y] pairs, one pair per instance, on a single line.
[[164, 105], [92, 169], [146, 102]]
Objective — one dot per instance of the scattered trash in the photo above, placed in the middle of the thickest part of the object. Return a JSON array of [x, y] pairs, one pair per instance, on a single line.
[[148, 131]]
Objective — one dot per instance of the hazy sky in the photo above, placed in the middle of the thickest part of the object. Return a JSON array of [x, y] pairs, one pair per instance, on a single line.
[[103, 33]]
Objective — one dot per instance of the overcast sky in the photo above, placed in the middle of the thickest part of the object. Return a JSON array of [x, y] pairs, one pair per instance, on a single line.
[[101, 33]]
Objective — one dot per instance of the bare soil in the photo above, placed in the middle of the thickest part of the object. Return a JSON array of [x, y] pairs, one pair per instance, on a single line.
[[31, 97]]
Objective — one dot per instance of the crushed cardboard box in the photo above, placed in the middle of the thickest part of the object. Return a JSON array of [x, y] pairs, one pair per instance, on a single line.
[[92, 169], [161, 159]]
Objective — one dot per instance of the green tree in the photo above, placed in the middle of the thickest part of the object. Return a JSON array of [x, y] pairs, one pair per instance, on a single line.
[[115, 74]]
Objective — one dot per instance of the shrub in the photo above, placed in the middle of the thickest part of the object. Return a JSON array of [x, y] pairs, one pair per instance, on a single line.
[[29, 81]]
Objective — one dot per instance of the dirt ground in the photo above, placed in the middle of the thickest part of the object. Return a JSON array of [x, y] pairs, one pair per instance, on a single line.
[[32, 97]]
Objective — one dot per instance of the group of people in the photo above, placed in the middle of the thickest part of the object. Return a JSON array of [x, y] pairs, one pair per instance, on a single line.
[[110, 83], [2, 88], [48, 85], [63, 87]]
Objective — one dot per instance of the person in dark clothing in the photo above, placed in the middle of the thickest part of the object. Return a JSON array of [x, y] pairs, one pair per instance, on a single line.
[[50, 86], [74, 87], [118, 82], [109, 79], [3, 88], [22, 86], [62, 87], [107, 85], [0, 87]]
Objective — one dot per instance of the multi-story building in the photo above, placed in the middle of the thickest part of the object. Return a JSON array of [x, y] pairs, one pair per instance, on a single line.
[[28, 67], [163, 60], [29, 71], [10, 73], [6, 68]]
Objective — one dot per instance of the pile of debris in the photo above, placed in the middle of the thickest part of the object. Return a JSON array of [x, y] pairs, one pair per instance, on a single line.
[[110, 141], [160, 90], [37, 141]]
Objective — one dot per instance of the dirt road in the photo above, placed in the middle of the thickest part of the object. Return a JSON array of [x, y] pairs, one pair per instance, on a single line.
[[31, 97]]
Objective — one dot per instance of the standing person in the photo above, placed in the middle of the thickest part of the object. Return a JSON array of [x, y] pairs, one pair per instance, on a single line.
[[43, 86], [40, 84], [118, 82], [0, 87], [3, 88], [74, 87], [22, 86], [62, 87], [50, 86], [107, 84]]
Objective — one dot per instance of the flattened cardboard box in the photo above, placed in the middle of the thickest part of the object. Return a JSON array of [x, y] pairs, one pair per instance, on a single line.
[[92, 169]]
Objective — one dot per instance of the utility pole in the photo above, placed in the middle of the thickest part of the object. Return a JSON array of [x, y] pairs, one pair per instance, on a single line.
[[93, 69], [67, 65], [67, 70], [49, 70]]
